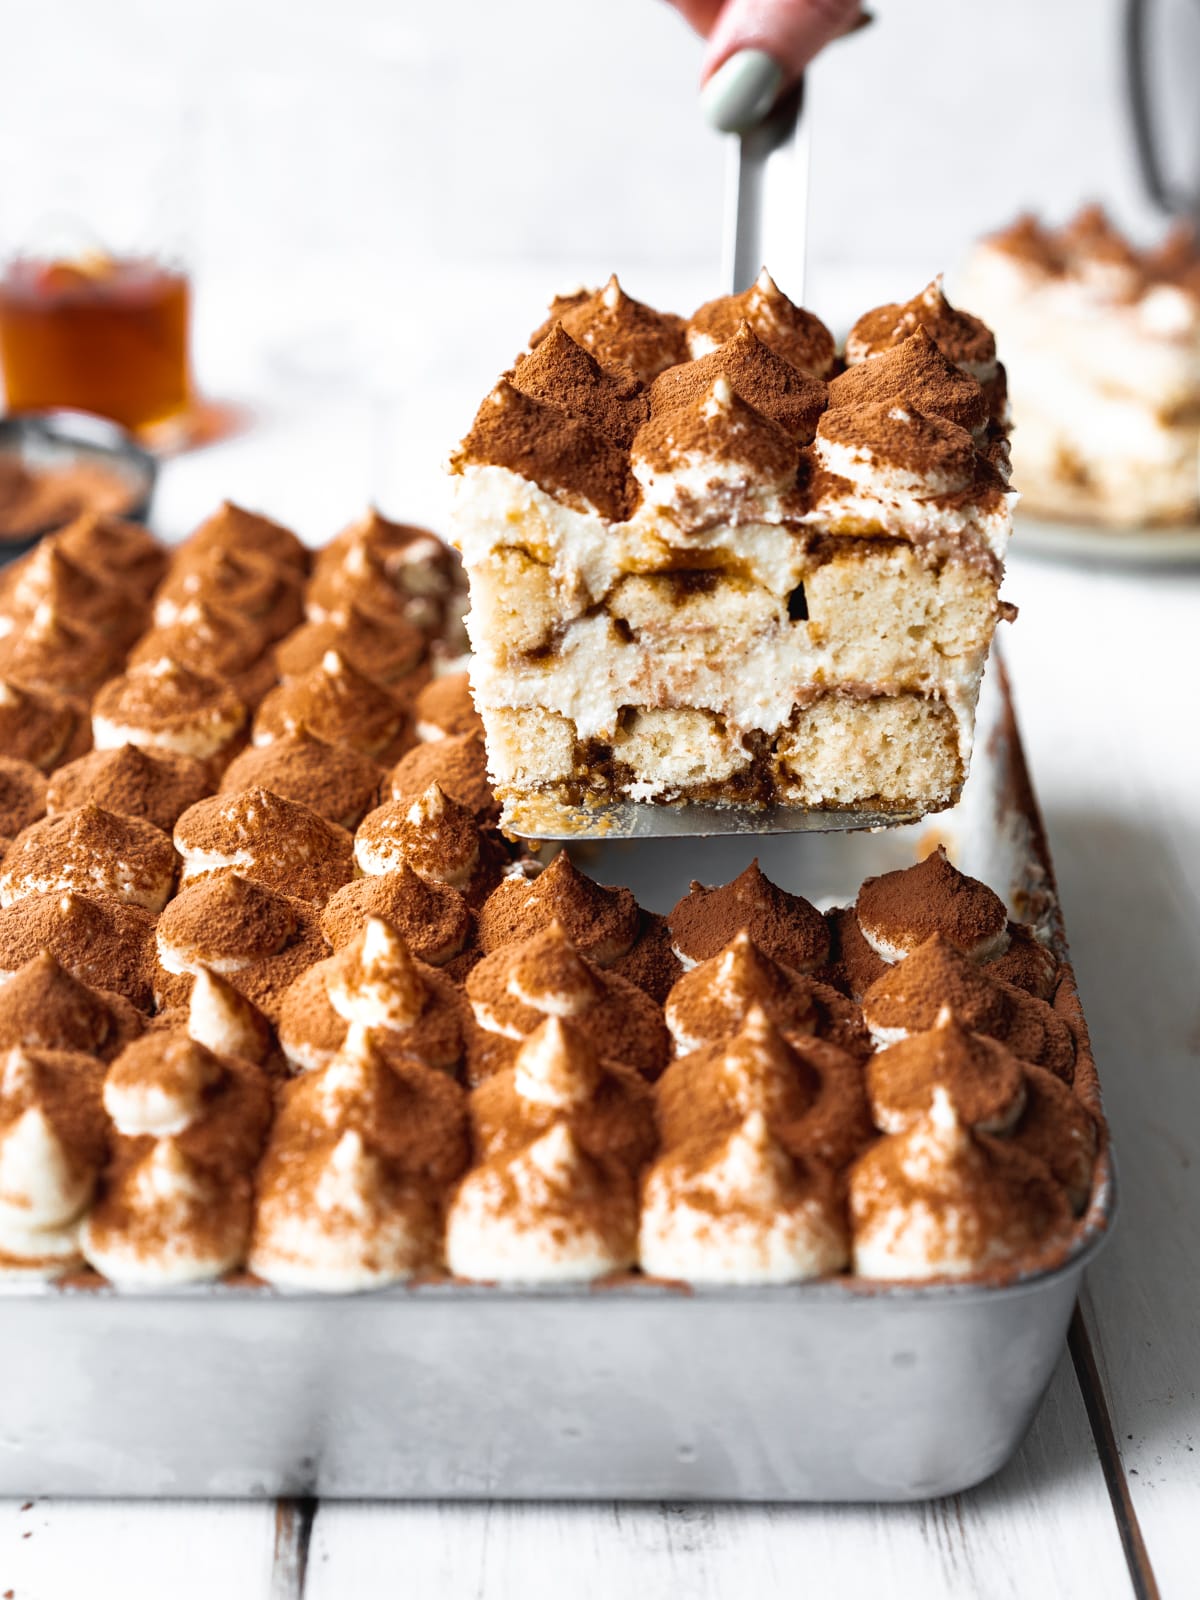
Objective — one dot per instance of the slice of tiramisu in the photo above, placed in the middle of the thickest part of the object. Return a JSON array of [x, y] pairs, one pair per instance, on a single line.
[[1102, 341], [737, 578]]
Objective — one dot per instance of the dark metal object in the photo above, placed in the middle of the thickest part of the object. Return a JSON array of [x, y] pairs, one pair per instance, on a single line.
[[47, 439]]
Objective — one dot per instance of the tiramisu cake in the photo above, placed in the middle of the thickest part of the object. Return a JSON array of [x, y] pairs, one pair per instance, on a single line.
[[1102, 341], [710, 560], [278, 998]]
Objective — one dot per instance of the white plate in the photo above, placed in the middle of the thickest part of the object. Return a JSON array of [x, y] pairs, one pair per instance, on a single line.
[[1087, 542]]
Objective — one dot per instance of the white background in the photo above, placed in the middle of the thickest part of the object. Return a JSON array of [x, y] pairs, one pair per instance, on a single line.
[[379, 197]]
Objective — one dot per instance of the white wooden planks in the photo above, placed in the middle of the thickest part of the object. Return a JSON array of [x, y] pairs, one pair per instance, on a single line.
[[130, 1550], [1105, 667]]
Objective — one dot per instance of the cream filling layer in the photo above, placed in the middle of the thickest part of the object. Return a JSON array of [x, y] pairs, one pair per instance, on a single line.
[[495, 509], [595, 674]]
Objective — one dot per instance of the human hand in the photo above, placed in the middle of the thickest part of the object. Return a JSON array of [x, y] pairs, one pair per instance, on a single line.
[[757, 48]]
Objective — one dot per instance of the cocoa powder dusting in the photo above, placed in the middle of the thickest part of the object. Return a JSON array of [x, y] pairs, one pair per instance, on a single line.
[[563, 374], [907, 907], [557, 452], [335, 782], [458, 764], [782, 925], [762, 379], [915, 371], [156, 787]]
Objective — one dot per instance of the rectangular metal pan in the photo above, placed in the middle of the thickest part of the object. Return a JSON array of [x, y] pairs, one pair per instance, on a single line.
[[828, 1391]]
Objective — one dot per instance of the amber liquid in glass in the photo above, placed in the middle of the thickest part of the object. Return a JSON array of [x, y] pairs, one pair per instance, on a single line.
[[100, 334]]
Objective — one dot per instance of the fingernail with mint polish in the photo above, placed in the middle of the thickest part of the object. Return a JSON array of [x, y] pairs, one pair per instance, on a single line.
[[741, 91]]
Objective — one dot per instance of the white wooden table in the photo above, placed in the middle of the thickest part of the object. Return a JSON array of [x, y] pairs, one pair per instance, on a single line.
[[1103, 1497]]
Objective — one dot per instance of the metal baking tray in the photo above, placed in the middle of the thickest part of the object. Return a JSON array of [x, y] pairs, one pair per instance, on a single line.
[[824, 1391]]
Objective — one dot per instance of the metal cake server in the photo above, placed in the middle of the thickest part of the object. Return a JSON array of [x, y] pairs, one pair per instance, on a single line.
[[766, 213]]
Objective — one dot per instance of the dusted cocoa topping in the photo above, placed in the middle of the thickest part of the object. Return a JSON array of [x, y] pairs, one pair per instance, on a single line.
[[34, 499], [262, 592], [213, 640], [225, 1136], [105, 943], [41, 727], [434, 835], [561, 373], [228, 1023], [387, 651], [260, 940], [783, 326], [162, 705], [1060, 1132], [49, 577], [42, 1007], [853, 964], [391, 571], [984, 1080], [62, 1087], [432, 918], [175, 1205], [1026, 964], [620, 331], [373, 982], [225, 922], [736, 1207], [458, 765], [93, 851], [938, 1200], [901, 910], [50, 652], [1031, 241], [513, 990], [412, 559], [651, 962], [557, 1076], [163, 1218], [560, 454], [810, 1092], [909, 995], [782, 925], [721, 428], [1091, 236], [351, 1193], [444, 708], [164, 1083], [267, 839], [960, 337], [157, 787], [548, 974], [332, 780], [413, 1117], [763, 380], [908, 998], [601, 923], [118, 550], [916, 372], [893, 433], [1176, 258], [52, 1146], [547, 1213], [337, 703], [22, 795], [231, 529], [712, 1001]]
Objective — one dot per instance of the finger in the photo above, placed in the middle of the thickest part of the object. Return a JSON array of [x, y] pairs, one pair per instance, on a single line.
[[701, 14], [791, 32]]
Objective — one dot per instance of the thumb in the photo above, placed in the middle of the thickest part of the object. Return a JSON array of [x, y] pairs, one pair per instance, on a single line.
[[781, 38]]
